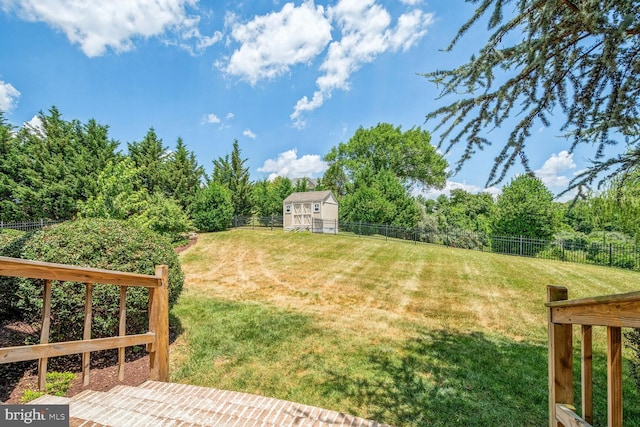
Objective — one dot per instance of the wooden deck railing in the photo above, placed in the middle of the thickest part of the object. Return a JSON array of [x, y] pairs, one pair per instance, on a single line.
[[156, 339], [613, 312]]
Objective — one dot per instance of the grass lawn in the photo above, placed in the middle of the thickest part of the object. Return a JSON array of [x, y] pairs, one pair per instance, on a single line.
[[405, 334]]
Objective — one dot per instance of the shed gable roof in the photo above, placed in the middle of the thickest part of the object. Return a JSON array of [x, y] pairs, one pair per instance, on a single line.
[[311, 196]]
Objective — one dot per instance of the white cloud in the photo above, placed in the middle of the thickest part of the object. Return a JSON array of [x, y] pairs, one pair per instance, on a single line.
[[411, 2], [432, 193], [35, 126], [551, 172], [272, 43], [96, 26], [211, 118], [288, 164], [8, 97], [366, 33], [230, 116], [248, 133]]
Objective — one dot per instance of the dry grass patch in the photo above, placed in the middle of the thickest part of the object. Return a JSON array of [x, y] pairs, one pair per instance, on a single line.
[[406, 334]]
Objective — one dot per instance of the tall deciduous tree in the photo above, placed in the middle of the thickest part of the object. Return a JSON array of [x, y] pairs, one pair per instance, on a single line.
[[617, 207], [464, 211], [379, 198], [374, 170], [408, 155], [525, 208], [579, 57]]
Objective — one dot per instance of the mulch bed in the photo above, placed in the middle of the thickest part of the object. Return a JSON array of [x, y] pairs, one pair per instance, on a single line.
[[15, 378]]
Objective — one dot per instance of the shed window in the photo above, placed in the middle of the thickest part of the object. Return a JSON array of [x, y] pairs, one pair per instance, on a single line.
[[316, 207], [287, 208]]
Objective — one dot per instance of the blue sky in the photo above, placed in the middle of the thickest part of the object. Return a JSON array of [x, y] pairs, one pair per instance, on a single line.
[[288, 80]]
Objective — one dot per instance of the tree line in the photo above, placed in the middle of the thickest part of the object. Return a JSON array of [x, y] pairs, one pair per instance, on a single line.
[[61, 169]]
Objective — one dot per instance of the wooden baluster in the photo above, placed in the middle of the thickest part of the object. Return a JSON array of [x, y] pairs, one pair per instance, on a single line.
[[560, 357], [587, 373], [122, 330], [614, 376], [88, 310], [159, 325], [44, 334]]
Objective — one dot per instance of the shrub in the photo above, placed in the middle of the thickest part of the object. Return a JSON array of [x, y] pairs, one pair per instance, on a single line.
[[164, 216], [612, 248], [11, 242], [98, 243], [572, 241], [632, 337], [212, 208]]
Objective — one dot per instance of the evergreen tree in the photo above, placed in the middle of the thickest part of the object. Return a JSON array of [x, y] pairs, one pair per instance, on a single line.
[[267, 196], [97, 151], [185, 175], [54, 171], [233, 174], [580, 57], [149, 156], [10, 167], [51, 165]]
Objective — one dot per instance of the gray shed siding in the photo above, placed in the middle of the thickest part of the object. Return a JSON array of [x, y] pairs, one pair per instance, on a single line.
[[312, 210]]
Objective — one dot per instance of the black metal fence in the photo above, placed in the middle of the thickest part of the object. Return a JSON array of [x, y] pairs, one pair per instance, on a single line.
[[578, 250], [28, 225]]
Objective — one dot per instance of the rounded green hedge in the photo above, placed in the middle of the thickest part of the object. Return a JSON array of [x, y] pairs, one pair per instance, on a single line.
[[98, 243]]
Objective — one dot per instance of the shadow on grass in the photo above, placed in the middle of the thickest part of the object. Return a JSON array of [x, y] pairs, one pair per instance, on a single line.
[[452, 379], [444, 379]]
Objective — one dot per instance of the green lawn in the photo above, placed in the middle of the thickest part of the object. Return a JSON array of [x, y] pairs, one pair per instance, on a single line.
[[405, 334]]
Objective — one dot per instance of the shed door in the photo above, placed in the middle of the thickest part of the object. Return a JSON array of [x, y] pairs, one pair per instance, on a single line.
[[302, 214]]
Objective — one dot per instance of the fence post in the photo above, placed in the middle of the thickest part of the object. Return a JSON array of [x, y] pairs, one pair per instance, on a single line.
[[560, 356], [386, 232], [520, 246], [159, 325], [610, 254]]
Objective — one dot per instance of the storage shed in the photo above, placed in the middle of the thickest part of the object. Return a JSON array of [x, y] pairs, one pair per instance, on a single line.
[[316, 211]]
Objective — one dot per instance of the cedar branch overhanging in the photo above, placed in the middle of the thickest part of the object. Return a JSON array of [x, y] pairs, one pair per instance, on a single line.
[[579, 61]]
